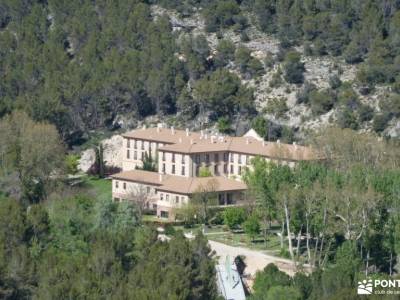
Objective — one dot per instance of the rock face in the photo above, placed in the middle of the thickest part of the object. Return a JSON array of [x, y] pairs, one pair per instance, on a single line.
[[87, 159], [112, 154]]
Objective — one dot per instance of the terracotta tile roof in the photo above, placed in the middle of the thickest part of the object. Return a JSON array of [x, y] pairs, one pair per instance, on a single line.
[[162, 135], [196, 143], [244, 145], [180, 184], [141, 176]]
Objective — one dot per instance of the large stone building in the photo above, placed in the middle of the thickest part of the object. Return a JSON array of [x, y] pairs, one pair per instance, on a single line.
[[180, 155]]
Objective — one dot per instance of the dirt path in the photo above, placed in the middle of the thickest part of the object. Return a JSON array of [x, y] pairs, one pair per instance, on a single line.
[[255, 260]]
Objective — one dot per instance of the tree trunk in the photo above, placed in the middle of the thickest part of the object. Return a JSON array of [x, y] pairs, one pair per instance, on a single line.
[[265, 230], [367, 264], [390, 263], [282, 233], [315, 252], [288, 232], [298, 242], [326, 253], [308, 240]]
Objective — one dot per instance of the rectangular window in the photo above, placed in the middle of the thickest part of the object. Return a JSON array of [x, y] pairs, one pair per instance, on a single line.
[[173, 157], [197, 158], [183, 171], [116, 184], [135, 144], [128, 154], [215, 169], [143, 155], [135, 155], [197, 170], [182, 199], [240, 159], [164, 214], [240, 170], [207, 158], [142, 145], [231, 169], [163, 168], [124, 185], [167, 197], [173, 169], [183, 159], [225, 168], [247, 159], [216, 157], [231, 157], [226, 157], [161, 196], [163, 156], [128, 143], [148, 190], [176, 199]]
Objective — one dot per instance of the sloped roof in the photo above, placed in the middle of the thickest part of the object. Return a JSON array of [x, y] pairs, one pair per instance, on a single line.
[[180, 184], [181, 141], [162, 135]]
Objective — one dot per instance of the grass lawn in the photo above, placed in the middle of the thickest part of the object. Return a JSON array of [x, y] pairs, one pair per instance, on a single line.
[[100, 188], [242, 240]]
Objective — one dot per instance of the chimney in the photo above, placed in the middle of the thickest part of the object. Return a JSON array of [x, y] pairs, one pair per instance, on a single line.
[[263, 143], [205, 136], [278, 142], [201, 133], [160, 177], [187, 131], [158, 129], [144, 126], [172, 130], [247, 141]]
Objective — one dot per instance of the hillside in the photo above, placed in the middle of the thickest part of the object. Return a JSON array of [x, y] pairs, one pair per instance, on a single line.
[[289, 66]]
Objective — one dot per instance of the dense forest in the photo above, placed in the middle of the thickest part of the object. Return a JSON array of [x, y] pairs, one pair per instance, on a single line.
[[81, 65]]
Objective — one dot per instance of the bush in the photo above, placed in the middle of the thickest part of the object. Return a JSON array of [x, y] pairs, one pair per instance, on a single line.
[[234, 216], [71, 163], [321, 101], [268, 278], [380, 122], [365, 113], [224, 125], [252, 227], [277, 107], [293, 68], [347, 119]]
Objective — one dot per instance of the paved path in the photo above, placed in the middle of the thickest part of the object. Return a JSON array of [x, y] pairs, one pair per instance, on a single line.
[[255, 260]]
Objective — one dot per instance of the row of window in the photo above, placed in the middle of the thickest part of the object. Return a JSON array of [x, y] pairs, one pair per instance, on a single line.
[[148, 189], [167, 198], [173, 158], [173, 169], [135, 144], [135, 155]]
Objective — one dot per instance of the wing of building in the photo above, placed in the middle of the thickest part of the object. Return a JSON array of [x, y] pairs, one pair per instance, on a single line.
[[180, 154]]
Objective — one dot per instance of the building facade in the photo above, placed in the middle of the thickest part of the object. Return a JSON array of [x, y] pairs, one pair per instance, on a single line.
[[181, 155]]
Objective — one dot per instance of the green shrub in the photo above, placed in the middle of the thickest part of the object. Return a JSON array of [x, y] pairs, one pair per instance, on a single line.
[[71, 163], [380, 122], [252, 226], [234, 216], [293, 68], [321, 101]]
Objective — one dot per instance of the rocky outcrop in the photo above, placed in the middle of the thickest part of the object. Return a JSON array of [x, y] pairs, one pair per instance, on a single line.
[[112, 154]]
